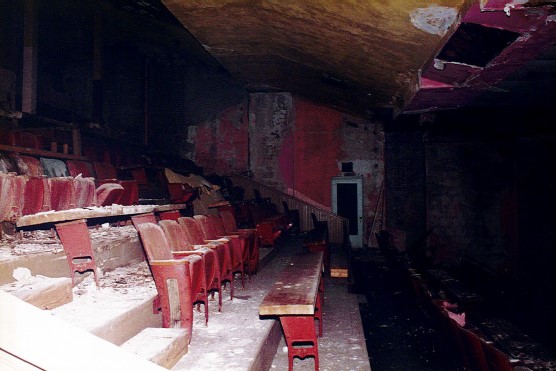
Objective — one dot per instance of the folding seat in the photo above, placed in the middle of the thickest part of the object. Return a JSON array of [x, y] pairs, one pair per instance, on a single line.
[[106, 173], [12, 188], [85, 192], [108, 194], [240, 244], [27, 165], [180, 245], [36, 196], [184, 277], [196, 236], [62, 193], [83, 168], [143, 218], [170, 215], [54, 168], [252, 253], [7, 164], [37, 193]]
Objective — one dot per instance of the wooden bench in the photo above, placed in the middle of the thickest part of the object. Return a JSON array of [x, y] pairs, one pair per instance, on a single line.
[[296, 298]]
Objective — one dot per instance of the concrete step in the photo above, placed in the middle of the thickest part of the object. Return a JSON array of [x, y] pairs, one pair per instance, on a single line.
[[40, 291], [118, 310], [163, 346], [36, 340], [42, 253]]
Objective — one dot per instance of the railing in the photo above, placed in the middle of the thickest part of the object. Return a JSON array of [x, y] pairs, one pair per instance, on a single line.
[[337, 225]]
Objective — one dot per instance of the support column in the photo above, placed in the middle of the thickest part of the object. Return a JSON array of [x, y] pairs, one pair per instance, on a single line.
[[97, 69], [30, 52]]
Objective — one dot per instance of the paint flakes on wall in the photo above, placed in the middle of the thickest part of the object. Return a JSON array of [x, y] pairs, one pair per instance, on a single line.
[[435, 19]]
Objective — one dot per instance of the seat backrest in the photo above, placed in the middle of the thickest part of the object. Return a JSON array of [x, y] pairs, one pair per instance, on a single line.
[[154, 241], [143, 218], [76, 167], [85, 193], [228, 221], [62, 193], [193, 230], [36, 196], [105, 170], [54, 167], [217, 225], [27, 165], [175, 234], [206, 227], [7, 164], [12, 188]]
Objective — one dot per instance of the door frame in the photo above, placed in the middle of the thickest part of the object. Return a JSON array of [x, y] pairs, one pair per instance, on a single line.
[[356, 240]]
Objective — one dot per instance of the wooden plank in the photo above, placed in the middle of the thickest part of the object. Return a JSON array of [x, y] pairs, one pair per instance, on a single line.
[[49, 343], [93, 212], [163, 346], [43, 292], [296, 290], [40, 152]]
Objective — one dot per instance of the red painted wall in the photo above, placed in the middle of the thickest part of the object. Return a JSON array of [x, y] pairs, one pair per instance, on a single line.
[[317, 147], [222, 143]]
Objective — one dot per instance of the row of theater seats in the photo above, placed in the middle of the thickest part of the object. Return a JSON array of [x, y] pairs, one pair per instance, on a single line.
[[30, 185], [193, 257], [472, 347], [264, 217]]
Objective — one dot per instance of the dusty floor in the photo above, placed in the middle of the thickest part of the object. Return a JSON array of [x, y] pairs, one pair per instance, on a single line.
[[237, 329]]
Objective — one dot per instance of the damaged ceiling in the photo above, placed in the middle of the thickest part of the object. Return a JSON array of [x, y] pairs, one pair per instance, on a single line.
[[402, 56]]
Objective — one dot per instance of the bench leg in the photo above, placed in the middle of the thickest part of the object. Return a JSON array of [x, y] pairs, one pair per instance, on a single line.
[[76, 241], [301, 338]]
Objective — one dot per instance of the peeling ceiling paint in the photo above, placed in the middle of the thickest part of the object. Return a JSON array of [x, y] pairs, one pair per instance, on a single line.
[[435, 19]]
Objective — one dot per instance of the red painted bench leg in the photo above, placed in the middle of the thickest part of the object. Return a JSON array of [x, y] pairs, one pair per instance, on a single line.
[[319, 304], [301, 338], [76, 241]]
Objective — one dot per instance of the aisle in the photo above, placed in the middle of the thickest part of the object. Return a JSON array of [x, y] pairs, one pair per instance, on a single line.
[[398, 335]]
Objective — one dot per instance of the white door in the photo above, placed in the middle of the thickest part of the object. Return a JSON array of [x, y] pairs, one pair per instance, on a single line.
[[347, 201]]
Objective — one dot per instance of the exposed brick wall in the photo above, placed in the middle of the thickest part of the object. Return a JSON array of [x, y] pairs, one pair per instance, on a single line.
[[405, 188], [271, 122], [299, 146]]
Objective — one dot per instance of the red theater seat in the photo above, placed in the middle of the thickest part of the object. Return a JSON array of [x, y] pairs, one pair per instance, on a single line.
[[195, 234], [252, 254], [240, 244], [185, 271], [180, 245]]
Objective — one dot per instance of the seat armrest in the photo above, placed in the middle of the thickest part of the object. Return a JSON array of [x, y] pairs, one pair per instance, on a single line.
[[222, 240], [168, 262]]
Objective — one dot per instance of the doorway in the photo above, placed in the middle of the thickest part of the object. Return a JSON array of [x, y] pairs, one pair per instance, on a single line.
[[347, 201]]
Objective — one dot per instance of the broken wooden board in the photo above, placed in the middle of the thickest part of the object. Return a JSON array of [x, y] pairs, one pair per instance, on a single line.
[[339, 272], [163, 346], [93, 212], [42, 292]]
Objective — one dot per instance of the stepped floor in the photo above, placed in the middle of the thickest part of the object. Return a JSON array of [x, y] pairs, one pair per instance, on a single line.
[[237, 339], [234, 339]]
